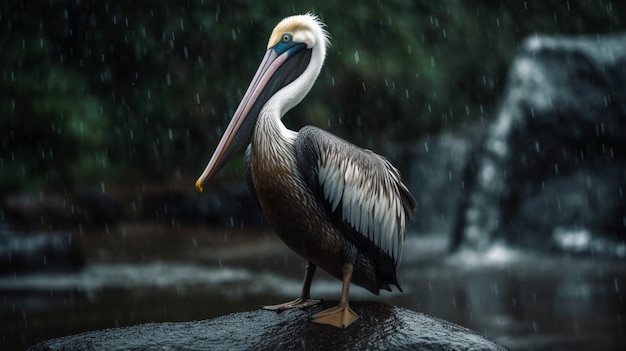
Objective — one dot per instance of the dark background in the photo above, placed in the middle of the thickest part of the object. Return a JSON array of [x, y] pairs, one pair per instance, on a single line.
[[139, 92]]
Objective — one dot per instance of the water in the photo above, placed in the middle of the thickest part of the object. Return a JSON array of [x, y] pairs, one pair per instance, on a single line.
[[150, 273]]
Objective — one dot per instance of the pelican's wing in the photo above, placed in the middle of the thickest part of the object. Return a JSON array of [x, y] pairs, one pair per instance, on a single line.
[[365, 188]]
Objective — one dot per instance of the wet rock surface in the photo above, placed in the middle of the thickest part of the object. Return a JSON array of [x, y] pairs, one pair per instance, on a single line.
[[549, 173], [381, 327]]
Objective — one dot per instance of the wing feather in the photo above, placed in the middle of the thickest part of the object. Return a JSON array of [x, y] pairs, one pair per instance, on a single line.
[[365, 188]]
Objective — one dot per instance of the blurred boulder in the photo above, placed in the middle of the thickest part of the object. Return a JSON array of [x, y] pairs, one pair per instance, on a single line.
[[550, 173], [38, 252], [381, 327], [94, 208], [435, 179], [46, 211], [34, 210], [229, 205]]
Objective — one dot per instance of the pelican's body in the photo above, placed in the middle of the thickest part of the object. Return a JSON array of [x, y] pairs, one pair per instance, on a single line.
[[338, 206], [293, 201]]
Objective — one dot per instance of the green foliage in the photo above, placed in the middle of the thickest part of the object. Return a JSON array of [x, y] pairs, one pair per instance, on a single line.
[[140, 91]]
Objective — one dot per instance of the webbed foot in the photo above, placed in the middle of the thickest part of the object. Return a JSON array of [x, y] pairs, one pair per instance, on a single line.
[[297, 303], [340, 316]]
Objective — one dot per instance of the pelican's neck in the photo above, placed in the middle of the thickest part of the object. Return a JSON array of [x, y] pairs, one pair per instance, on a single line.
[[273, 157], [271, 138], [293, 93]]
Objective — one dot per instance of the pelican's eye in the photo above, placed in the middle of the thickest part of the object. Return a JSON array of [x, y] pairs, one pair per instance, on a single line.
[[287, 45]]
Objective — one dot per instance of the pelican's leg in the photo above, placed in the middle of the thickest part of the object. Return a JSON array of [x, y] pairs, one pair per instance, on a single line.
[[341, 315], [304, 300]]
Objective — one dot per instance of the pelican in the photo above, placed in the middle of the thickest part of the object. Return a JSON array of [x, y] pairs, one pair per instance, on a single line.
[[340, 207]]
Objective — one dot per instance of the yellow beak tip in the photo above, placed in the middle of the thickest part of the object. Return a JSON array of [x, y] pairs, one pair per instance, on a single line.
[[199, 186]]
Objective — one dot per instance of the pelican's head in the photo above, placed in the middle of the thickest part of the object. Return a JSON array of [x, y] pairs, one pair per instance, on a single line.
[[294, 57]]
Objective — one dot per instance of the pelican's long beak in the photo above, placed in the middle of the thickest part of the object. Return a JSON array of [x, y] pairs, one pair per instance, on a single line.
[[272, 75]]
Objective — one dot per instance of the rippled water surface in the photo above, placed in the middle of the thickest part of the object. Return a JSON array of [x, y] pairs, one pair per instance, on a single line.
[[150, 273]]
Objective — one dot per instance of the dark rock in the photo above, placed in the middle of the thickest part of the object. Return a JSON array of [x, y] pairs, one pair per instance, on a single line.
[[46, 211], [94, 208], [226, 206], [381, 327], [34, 210], [38, 252], [551, 170], [435, 180]]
